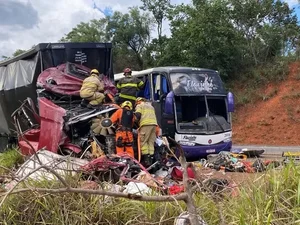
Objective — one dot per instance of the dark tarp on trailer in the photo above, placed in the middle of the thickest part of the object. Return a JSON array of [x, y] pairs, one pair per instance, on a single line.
[[18, 75]]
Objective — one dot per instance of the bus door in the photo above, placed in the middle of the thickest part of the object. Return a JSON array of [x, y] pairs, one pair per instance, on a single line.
[[159, 91], [145, 91]]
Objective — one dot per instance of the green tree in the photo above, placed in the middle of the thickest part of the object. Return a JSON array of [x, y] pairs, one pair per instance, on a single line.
[[269, 28], [4, 57], [18, 52], [130, 34], [93, 31], [230, 35], [160, 10], [203, 35]]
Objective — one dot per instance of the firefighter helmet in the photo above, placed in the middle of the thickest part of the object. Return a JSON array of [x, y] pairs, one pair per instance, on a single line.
[[94, 71], [139, 100], [127, 104], [127, 71]]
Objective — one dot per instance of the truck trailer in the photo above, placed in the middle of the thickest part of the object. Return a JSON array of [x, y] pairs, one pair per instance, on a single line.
[[19, 75]]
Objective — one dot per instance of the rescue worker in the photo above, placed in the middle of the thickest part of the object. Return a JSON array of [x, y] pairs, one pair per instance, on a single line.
[[146, 118], [124, 118], [92, 88], [128, 87]]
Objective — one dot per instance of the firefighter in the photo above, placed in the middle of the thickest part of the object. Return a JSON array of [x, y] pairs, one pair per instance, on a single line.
[[146, 118], [124, 118], [92, 88], [128, 87]]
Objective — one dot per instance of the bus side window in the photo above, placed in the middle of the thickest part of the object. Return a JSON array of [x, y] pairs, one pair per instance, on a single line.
[[146, 90], [164, 85], [156, 85], [164, 88], [160, 86]]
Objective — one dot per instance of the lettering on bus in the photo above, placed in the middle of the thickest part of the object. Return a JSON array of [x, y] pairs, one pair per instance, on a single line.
[[205, 85], [210, 150], [189, 138], [187, 143], [227, 135], [196, 82]]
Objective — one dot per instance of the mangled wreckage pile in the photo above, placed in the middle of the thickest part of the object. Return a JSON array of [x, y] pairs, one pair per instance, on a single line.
[[62, 124]]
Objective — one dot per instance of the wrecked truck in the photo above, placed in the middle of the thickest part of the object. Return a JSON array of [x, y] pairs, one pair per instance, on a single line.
[[55, 119], [53, 71]]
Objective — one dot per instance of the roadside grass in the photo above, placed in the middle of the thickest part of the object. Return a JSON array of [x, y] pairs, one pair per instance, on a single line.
[[272, 197], [9, 160], [70, 208]]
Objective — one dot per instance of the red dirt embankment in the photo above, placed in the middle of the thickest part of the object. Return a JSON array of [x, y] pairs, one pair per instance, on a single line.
[[275, 121]]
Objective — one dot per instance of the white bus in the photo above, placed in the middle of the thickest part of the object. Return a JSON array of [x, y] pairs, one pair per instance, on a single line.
[[191, 106]]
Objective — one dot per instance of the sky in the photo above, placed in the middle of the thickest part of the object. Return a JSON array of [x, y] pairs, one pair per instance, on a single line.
[[24, 23]]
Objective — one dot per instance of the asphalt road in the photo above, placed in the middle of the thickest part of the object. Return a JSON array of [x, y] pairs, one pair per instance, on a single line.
[[270, 150]]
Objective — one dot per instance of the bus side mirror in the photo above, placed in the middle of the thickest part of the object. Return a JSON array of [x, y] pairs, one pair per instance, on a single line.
[[169, 103], [230, 100]]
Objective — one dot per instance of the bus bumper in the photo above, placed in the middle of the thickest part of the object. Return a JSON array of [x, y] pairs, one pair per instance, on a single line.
[[197, 152]]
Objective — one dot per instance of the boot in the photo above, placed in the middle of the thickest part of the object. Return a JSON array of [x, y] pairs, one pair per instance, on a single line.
[[84, 103], [89, 106]]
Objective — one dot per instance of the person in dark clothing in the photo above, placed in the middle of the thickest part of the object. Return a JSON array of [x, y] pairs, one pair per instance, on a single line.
[[124, 118], [128, 87]]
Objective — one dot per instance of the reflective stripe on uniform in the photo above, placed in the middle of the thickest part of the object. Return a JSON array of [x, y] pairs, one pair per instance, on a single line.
[[127, 97], [140, 84], [128, 85]]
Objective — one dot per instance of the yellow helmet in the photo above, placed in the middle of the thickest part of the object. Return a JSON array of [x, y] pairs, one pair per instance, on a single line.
[[95, 71], [139, 100], [127, 104]]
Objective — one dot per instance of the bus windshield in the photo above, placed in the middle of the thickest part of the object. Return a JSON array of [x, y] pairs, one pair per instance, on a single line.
[[196, 83], [201, 114]]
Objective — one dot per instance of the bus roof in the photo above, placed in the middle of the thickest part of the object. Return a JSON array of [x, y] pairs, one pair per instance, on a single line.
[[166, 69]]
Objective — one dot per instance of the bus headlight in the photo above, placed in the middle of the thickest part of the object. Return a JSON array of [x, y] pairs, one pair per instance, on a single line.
[[227, 140]]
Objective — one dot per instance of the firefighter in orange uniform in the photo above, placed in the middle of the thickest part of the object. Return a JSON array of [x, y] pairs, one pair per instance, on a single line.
[[124, 118]]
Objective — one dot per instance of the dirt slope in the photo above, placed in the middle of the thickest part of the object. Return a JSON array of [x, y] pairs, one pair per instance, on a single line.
[[275, 121]]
